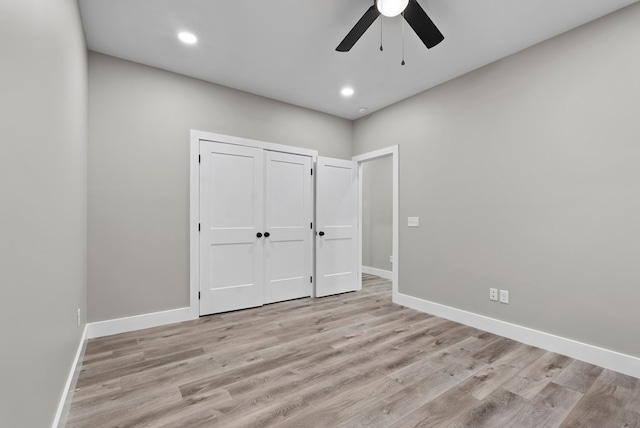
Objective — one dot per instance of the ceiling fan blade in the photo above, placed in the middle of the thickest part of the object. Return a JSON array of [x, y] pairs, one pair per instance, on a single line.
[[422, 24], [358, 30]]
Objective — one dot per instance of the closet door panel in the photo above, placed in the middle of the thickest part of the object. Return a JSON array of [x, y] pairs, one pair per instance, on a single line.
[[231, 216], [337, 225], [288, 216]]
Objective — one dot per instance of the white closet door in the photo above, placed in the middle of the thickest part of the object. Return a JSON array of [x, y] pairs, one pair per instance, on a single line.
[[288, 236], [231, 217], [336, 217]]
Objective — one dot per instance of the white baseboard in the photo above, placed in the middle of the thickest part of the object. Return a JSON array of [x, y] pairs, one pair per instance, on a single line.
[[138, 322], [70, 385], [608, 359], [386, 274]]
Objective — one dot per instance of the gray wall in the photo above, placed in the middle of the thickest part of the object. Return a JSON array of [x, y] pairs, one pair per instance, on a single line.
[[525, 175], [377, 213], [43, 102], [139, 120]]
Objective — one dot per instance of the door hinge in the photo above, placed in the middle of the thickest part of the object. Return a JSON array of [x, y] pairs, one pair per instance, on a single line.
[[312, 225], [311, 279], [311, 171], [198, 295], [198, 158], [198, 227]]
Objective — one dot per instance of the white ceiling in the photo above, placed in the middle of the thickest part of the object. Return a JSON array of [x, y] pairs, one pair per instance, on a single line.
[[285, 49]]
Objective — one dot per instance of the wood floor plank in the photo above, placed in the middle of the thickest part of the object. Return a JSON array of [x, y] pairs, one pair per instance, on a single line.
[[495, 411], [120, 408], [336, 411], [97, 390], [530, 381], [249, 397], [630, 416], [96, 376], [184, 371], [351, 360], [117, 361], [578, 376], [457, 353], [495, 350], [388, 411], [548, 408], [440, 412], [486, 381], [423, 383], [272, 415], [602, 404], [181, 413]]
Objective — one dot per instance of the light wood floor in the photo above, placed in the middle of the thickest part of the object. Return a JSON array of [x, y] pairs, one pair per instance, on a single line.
[[353, 360]]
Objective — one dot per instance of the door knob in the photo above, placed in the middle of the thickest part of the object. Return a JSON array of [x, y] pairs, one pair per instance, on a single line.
[[267, 234], [321, 233], [259, 235]]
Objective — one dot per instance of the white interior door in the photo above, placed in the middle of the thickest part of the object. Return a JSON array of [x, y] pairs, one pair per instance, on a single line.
[[231, 217], [336, 217], [288, 217]]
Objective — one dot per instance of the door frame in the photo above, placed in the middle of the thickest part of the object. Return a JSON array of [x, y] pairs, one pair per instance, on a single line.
[[392, 151], [194, 198]]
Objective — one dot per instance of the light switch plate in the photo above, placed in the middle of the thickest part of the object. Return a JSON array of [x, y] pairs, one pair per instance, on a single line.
[[413, 221], [504, 296]]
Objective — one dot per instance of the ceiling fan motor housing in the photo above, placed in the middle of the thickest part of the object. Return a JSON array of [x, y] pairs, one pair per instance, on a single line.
[[413, 14]]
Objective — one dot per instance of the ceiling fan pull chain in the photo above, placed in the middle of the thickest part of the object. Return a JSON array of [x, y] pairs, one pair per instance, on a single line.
[[402, 63], [381, 33]]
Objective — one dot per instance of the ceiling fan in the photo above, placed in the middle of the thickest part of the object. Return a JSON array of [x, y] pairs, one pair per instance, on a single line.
[[413, 14]]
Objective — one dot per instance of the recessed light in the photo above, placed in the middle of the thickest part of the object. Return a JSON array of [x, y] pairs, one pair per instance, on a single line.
[[346, 92], [362, 109], [187, 38]]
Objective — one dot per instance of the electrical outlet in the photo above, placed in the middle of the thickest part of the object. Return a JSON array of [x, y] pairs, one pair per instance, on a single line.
[[504, 296], [413, 221], [78, 317], [493, 294]]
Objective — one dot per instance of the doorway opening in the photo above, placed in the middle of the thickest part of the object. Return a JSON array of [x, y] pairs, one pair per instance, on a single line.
[[378, 215]]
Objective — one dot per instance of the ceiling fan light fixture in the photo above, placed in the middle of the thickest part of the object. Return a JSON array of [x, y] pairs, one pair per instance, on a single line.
[[391, 8]]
